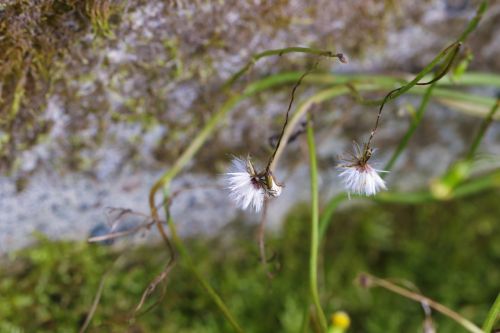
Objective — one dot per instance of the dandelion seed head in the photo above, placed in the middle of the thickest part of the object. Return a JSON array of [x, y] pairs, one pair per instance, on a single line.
[[247, 188], [358, 176], [244, 186]]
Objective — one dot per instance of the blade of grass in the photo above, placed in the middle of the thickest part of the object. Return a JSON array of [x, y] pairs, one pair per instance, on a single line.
[[492, 316], [472, 25], [486, 182], [413, 126], [188, 261], [328, 212], [482, 130], [313, 259]]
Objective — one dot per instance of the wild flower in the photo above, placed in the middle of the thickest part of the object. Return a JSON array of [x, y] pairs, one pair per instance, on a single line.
[[249, 188], [358, 176]]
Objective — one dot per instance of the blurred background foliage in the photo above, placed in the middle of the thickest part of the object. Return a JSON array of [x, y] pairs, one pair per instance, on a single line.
[[449, 251]]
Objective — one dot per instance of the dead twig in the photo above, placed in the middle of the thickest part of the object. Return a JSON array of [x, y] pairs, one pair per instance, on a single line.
[[368, 281]]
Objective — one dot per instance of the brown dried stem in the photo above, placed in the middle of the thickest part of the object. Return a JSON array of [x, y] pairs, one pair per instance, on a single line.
[[367, 280]]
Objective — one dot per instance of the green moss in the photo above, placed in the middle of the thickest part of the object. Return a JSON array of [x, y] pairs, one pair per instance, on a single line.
[[34, 34], [448, 250]]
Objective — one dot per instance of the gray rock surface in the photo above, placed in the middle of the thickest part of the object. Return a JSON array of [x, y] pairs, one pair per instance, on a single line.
[[135, 100]]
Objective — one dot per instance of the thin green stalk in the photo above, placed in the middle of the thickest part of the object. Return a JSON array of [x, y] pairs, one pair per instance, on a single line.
[[199, 277], [328, 212], [313, 259], [413, 126], [487, 182], [484, 183], [305, 319], [466, 79], [470, 79], [482, 130], [427, 69], [279, 52], [492, 316], [472, 25]]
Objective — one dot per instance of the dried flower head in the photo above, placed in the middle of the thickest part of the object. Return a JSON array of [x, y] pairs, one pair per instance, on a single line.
[[249, 188], [358, 176]]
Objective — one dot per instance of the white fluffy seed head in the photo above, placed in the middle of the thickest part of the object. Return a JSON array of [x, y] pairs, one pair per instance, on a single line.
[[362, 179], [248, 188], [243, 185]]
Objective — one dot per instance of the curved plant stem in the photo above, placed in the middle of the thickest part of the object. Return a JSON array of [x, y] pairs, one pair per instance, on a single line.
[[305, 319], [313, 259], [371, 281], [475, 21], [415, 82], [413, 126], [482, 130], [186, 258], [492, 315], [97, 297], [287, 114], [280, 52]]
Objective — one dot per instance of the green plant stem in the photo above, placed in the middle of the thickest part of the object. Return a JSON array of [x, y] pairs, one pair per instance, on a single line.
[[472, 25], [466, 79], [186, 258], [482, 130], [328, 212], [313, 260], [278, 52], [492, 316], [405, 88], [305, 319], [413, 126]]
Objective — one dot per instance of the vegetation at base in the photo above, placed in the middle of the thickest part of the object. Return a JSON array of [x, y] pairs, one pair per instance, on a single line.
[[449, 250]]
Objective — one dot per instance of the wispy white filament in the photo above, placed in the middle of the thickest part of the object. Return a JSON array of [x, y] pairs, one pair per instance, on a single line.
[[363, 180], [244, 190]]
